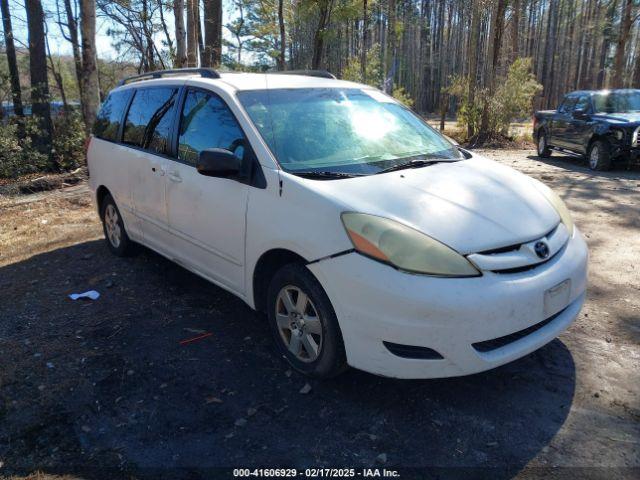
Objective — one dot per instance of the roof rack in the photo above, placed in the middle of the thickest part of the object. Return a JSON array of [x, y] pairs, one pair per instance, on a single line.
[[203, 72], [308, 73]]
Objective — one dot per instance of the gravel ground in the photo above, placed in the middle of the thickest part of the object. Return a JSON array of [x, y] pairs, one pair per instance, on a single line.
[[106, 389]]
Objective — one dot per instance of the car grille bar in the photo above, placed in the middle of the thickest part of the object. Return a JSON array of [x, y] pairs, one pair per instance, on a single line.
[[523, 256]]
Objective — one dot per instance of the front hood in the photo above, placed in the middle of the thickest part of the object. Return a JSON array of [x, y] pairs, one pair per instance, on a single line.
[[471, 205], [628, 117]]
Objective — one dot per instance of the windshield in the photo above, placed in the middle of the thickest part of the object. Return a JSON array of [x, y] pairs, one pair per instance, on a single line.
[[617, 102], [355, 131]]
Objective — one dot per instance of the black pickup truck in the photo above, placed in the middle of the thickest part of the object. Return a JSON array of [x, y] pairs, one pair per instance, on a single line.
[[603, 125]]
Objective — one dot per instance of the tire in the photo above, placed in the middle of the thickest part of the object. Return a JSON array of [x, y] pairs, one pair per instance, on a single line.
[[543, 145], [599, 156], [311, 322], [114, 232]]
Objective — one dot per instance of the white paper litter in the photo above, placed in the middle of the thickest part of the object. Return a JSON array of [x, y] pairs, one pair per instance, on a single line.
[[92, 294]]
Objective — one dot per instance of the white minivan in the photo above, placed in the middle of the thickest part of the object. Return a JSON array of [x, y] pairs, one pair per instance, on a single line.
[[366, 237]]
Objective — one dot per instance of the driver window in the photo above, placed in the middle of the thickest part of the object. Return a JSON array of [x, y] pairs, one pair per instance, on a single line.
[[207, 122], [582, 103], [567, 105]]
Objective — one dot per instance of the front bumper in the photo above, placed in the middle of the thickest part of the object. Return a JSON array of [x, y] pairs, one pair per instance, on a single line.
[[633, 154], [376, 303]]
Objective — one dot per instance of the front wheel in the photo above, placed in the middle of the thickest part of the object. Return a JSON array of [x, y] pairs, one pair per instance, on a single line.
[[304, 323], [543, 145], [599, 156]]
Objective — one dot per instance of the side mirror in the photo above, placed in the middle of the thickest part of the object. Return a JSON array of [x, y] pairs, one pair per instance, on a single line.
[[218, 162], [580, 113]]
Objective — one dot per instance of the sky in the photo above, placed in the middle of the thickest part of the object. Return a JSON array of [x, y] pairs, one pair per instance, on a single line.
[[58, 45]]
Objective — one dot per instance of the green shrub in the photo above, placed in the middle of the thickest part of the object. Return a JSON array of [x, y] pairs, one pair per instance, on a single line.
[[373, 71], [373, 74], [68, 141], [512, 99], [400, 94], [514, 96], [19, 156]]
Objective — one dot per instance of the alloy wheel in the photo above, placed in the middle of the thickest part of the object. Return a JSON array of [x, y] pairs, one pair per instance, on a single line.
[[112, 226], [594, 156], [298, 323], [542, 144]]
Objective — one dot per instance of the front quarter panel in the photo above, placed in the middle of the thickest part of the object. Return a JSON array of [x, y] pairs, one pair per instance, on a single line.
[[289, 214]]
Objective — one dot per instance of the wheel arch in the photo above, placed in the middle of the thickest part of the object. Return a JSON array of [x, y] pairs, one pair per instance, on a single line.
[[101, 193], [541, 129], [594, 138], [266, 266]]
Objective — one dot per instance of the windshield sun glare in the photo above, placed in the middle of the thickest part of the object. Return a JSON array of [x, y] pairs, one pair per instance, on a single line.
[[353, 131]]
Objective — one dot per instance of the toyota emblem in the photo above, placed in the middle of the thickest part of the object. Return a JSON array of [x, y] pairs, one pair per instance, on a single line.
[[541, 249]]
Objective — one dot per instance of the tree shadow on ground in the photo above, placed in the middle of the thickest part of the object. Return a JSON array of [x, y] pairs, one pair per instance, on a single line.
[[105, 387], [619, 170]]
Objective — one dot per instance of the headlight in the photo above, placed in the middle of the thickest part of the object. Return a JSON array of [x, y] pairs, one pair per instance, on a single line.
[[403, 247], [557, 203]]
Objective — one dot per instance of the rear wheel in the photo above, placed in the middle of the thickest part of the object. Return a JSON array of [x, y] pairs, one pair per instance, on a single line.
[[117, 239], [304, 323], [599, 156], [543, 145]]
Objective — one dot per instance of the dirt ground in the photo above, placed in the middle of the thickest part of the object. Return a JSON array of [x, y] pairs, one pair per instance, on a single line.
[[106, 389]]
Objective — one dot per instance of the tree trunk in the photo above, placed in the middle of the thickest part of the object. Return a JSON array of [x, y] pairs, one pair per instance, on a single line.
[[283, 37], [363, 47], [39, 81], [192, 34], [181, 47], [516, 30], [90, 87], [318, 38], [390, 57], [625, 28], [548, 67], [72, 25], [147, 31], [473, 56], [199, 35], [165, 29], [238, 31], [212, 33], [57, 76], [636, 72], [498, 29], [16, 93], [606, 43]]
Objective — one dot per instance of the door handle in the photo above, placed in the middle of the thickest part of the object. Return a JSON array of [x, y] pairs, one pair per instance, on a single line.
[[175, 177], [160, 170]]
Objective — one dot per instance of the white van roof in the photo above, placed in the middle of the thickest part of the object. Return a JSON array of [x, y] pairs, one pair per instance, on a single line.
[[245, 81]]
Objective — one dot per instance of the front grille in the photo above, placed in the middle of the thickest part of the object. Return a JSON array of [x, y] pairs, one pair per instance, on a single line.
[[411, 351], [515, 246], [508, 248], [495, 343], [526, 268]]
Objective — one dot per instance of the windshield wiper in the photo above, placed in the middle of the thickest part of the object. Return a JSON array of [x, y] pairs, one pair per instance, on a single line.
[[325, 175], [417, 163]]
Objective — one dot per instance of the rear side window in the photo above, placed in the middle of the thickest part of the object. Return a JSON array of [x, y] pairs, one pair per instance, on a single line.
[[149, 119], [107, 122], [207, 122]]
